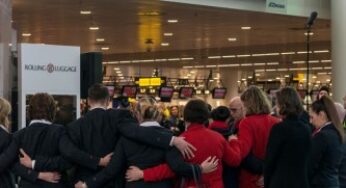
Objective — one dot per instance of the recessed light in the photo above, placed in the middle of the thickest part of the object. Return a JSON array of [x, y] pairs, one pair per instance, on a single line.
[[321, 51], [232, 39], [10, 44], [165, 44], [245, 55], [85, 12], [26, 34], [311, 33], [246, 28], [100, 40], [287, 53], [94, 28], [314, 77], [168, 34], [287, 76], [105, 48], [172, 21]]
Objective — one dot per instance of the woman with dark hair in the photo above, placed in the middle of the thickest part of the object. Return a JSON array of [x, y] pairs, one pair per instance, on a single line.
[[254, 131], [288, 146], [326, 149], [220, 115], [41, 139], [8, 148]]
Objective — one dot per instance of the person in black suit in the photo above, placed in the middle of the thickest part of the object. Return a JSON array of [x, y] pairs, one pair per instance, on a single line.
[[326, 152], [8, 148], [98, 132], [41, 139], [288, 146]]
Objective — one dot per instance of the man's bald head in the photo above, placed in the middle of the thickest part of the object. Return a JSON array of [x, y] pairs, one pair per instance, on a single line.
[[236, 108]]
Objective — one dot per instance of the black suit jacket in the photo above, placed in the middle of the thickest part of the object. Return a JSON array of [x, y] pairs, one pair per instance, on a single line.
[[99, 130], [287, 155], [325, 158], [131, 153], [40, 141], [8, 154]]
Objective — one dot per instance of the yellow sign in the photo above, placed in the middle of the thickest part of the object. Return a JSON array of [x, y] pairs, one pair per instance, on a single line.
[[149, 82]]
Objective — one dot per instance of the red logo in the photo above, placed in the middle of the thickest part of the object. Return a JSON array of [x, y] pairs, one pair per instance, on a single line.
[[50, 68]]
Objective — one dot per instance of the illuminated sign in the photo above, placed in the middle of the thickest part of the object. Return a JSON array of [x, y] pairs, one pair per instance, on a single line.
[[146, 82]]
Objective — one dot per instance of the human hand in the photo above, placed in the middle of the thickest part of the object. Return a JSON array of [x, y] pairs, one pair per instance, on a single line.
[[80, 184], [51, 177], [105, 160], [134, 174], [209, 165], [25, 159], [232, 137], [185, 148]]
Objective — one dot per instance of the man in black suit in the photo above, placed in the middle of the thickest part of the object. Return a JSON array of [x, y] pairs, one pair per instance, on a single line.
[[99, 130]]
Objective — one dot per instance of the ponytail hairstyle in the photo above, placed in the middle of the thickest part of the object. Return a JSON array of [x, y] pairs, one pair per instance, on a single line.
[[5, 111], [325, 104]]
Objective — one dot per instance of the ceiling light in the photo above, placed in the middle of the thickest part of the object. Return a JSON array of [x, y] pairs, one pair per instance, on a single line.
[[94, 28], [199, 66], [214, 57], [249, 77], [238, 81], [257, 74], [105, 48], [246, 28], [168, 34], [303, 52], [172, 21], [327, 68], [232, 39], [192, 72], [174, 59], [243, 79], [112, 62], [314, 61], [260, 70], [10, 44], [287, 53], [116, 68], [287, 76], [314, 77], [270, 80], [321, 73], [328, 80], [160, 60], [311, 33], [100, 40], [85, 12], [125, 62], [228, 56], [298, 62], [245, 55], [165, 44], [273, 63], [187, 58], [246, 64], [317, 68], [210, 66], [229, 65], [270, 70], [147, 60], [326, 61], [321, 51], [278, 78], [282, 69], [187, 67], [267, 54], [259, 64], [26, 34]]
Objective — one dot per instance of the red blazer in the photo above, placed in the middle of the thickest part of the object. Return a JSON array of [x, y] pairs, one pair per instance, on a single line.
[[253, 137], [208, 143], [218, 125]]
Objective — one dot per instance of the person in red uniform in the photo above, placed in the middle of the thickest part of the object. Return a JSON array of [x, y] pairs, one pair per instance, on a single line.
[[207, 142], [254, 132]]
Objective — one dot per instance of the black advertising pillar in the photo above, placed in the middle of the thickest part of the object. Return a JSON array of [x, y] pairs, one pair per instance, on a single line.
[[91, 71]]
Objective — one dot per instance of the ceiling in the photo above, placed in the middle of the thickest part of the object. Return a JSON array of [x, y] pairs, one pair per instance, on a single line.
[[201, 32]]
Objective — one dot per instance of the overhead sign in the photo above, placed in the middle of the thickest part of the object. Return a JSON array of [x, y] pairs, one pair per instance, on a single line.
[[276, 6], [147, 82]]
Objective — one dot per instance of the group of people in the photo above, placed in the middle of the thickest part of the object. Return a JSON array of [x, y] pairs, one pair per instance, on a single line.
[[243, 145]]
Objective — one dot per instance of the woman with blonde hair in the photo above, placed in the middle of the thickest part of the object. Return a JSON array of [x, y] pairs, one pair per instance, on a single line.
[[254, 131], [327, 139], [8, 148]]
